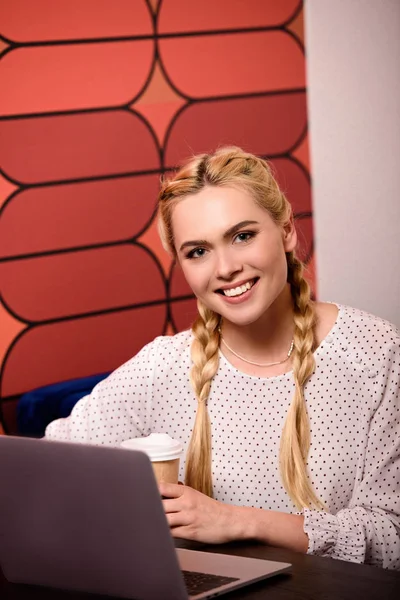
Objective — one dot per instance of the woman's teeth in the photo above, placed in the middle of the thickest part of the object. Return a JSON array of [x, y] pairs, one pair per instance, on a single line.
[[239, 290]]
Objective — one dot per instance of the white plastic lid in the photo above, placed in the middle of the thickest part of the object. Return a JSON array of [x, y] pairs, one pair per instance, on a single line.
[[157, 446]]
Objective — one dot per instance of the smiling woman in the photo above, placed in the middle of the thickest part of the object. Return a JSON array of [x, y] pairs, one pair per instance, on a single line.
[[243, 232], [240, 260], [281, 403]]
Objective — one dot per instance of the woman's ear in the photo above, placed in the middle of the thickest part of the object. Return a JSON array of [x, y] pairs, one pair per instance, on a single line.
[[289, 235]]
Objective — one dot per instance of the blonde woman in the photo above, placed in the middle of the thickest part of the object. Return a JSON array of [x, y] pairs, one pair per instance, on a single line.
[[288, 409]]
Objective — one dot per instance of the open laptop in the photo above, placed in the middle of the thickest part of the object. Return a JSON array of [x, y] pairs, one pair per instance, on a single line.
[[90, 518]]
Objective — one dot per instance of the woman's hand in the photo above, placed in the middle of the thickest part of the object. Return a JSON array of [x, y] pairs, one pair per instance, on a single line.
[[193, 516]]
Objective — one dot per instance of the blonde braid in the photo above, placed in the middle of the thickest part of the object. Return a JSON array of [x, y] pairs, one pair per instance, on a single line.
[[295, 442], [205, 359], [231, 166]]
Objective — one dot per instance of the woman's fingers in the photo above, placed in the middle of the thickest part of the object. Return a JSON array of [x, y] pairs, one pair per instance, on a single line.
[[177, 519], [172, 505], [183, 533], [171, 490]]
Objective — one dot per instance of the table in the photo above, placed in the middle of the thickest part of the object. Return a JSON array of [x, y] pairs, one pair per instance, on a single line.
[[312, 578]]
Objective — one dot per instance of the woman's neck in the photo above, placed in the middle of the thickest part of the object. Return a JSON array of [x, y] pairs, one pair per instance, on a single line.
[[268, 339]]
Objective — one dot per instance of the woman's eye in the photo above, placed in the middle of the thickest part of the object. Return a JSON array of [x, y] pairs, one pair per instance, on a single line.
[[196, 253], [244, 236]]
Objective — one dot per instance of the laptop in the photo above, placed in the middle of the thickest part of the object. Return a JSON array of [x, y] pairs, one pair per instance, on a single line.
[[90, 518]]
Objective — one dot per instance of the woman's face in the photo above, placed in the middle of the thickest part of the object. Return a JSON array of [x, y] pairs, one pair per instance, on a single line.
[[231, 252]]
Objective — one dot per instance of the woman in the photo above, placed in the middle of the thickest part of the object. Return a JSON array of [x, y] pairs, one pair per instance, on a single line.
[[295, 404]]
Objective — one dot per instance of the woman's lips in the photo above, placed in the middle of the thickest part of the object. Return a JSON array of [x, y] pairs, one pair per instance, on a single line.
[[242, 297]]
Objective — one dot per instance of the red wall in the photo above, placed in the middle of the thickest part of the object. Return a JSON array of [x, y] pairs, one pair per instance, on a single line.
[[98, 99]]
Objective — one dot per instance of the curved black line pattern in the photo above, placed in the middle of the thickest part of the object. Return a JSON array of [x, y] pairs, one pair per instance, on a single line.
[[78, 41], [126, 106], [94, 313], [124, 241], [49, 322], [295, 13], [167, 77], [148, 80], [146, 36], [156, 36], [8, 200], [71, 249], [136, 237], [89, 109], [55, 182], [299, 43], [60, 113], [225, 96], [152, 13], [215, 99], [5, 51], [12, 312], [22, 187], [74, 250], [5, 360], [9, 178], [301, 166], [146, 123], [95, 177], [6, 40], [290, 157], [155, 258], [300, 139]]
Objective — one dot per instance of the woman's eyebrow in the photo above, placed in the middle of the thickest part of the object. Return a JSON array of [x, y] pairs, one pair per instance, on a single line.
[[238, 226], [193, 243], [228, 233]]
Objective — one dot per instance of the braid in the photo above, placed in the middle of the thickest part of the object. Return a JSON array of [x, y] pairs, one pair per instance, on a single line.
[[231, 166], [295, 441], [205, 359]]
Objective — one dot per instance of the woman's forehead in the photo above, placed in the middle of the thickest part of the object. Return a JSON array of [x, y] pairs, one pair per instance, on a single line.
[[214, 202], [212, 211]]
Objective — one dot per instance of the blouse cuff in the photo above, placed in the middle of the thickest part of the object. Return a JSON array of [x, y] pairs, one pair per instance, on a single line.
[[329, 535]]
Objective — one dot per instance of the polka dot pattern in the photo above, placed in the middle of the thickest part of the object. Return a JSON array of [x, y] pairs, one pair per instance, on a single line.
[[353, 402]]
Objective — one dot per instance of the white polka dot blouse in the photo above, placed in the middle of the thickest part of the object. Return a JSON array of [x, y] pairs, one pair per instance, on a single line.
[[353, 403]]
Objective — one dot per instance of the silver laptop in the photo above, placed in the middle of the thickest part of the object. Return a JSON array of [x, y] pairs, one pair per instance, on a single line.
[[90, 518]]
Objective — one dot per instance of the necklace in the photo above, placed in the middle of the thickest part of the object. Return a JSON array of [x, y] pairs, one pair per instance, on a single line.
[[272, 364]]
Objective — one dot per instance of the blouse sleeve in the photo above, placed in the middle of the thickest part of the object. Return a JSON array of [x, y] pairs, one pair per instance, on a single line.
[[368, 530], [118, 408]]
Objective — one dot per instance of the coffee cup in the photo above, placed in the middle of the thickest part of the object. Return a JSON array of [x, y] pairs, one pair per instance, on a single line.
[[163, 451]]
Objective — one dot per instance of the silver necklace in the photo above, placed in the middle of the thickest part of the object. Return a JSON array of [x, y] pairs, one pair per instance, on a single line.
[[250, 362]]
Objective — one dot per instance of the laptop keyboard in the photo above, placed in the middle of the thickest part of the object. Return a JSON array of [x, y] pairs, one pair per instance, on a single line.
[[198, 583]]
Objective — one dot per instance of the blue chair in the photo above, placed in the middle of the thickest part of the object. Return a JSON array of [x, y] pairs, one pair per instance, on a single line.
[[39, 407]]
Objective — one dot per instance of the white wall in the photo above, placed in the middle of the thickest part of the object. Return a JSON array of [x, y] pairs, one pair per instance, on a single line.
[[353, 63]]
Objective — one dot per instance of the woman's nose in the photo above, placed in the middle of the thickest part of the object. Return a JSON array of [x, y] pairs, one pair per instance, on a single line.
[[227, 264]]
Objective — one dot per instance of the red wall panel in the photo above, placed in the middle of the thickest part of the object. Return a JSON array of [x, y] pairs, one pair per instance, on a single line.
[[99, 98]]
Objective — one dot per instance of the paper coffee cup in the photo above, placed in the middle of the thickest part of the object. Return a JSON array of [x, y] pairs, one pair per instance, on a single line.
[[163, 451]]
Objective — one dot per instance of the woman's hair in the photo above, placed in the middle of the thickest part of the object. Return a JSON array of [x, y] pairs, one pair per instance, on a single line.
[[233, 167]]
